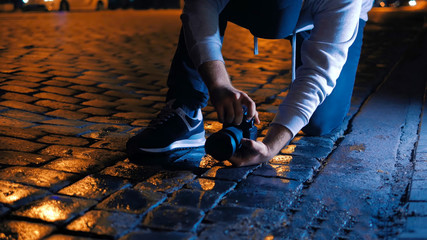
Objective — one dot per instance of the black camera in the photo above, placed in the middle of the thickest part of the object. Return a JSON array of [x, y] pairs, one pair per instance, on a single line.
[[224, 143]]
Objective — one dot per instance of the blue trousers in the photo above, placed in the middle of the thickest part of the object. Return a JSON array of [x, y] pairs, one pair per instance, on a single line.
[[187, 87]]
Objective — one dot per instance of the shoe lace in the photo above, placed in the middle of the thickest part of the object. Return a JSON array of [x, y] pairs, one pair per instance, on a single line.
[[164, 115]]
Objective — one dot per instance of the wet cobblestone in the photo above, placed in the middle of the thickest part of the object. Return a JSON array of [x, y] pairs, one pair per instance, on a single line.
[[70, 100]]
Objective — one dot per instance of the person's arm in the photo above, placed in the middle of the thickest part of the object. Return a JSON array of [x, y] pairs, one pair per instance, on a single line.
[[323, 56], [201, 30]]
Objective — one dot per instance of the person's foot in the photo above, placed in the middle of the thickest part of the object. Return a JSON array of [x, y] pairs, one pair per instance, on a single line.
[[171, 130]]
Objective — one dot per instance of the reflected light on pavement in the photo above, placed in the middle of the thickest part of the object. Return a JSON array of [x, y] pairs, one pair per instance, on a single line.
[[155, 180], [281, 159], [206, 184], [269, 237], [49, 212], [289, 149]]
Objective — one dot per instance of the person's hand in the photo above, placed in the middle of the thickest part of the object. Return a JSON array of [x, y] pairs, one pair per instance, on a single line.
[[229, 102], [250, 153], [254, 152]]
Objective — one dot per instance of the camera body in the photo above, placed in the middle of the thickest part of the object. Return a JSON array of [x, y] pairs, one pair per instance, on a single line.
[[224, 143]]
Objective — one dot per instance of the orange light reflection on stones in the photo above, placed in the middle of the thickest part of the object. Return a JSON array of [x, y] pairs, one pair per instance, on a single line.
[[206, 184], [49, 212]]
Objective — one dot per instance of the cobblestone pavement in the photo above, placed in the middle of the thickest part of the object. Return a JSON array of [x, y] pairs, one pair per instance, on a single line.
[[75, 86]]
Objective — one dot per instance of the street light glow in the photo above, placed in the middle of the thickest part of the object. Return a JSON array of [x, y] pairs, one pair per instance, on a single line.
[[412, 3]]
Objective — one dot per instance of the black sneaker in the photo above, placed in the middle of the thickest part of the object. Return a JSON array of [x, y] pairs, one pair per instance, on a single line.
[[172, 129]]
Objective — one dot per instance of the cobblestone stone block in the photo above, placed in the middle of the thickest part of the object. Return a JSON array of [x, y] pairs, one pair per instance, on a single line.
[[229, 173], [67, 114], [23, 106], [18, 97], [63, 140], [108, 129], [57, 97], [95, 187], [231, 222], [105, 223], [58, 129], [303, 162], [300, 174], [83, 153], [22, 158], [132, 201], [116, 142], [14, 144], [38, 177], [215, 185], [57, 105], [203, 200], [22, 84], [97, 111], [55, 209], [318, 152], [78, 81], [14, 194], [29, 134], [234, 214], [108, 119], [260, 183], [166, 181], [83, 88], [63, 74], [34, 74], [77, 165], [14, 229], [272, 200], [100, 103], [56, 83], [135, 115], [91, 96], [131, 171], [172, 218], [23, 115], [5, 121], [26, 78], [16, 88]]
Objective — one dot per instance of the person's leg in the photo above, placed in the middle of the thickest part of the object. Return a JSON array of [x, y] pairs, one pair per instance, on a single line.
[[180, 123], [331, 113], [184, 82]]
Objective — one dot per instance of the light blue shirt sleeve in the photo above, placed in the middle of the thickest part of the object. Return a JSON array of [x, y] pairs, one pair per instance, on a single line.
[[335, 25], [200, 24]]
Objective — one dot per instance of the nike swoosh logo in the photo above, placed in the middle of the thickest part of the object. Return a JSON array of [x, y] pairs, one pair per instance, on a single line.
[[189, 122]]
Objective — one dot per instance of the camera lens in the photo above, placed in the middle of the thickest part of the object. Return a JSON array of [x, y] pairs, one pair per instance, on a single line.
[[223, 144]]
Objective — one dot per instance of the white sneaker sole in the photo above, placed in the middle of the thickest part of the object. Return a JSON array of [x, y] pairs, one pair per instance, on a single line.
[[198, 140]]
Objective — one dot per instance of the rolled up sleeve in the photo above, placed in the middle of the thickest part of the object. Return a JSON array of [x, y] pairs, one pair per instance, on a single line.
[[201, 30], [323, 56]]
